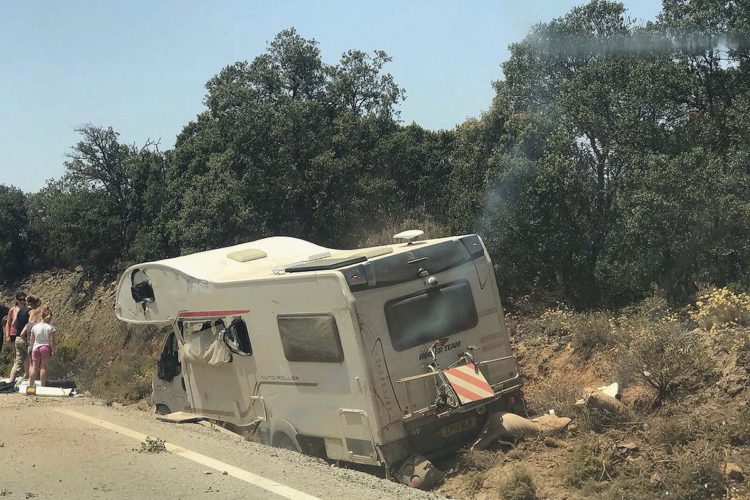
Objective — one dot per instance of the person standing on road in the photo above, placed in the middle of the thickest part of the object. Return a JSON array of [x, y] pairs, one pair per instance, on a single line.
[[10, 323], [21, 337], [42, 341]]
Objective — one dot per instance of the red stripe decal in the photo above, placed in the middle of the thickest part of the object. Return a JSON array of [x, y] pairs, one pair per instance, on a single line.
[[466, 394], [210, 314], [471, 380]]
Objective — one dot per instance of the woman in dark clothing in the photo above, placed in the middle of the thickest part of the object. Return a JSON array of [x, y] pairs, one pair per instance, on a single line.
[[10, 322], [3, 314], [21, 341]]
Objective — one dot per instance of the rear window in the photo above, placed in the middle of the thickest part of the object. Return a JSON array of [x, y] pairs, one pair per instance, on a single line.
[[310, 337], [429, 315]]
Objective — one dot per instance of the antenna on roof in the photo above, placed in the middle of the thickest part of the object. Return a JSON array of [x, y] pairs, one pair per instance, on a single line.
[[408, 236]]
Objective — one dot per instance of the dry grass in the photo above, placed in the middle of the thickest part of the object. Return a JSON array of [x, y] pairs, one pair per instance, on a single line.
[[518, 485]]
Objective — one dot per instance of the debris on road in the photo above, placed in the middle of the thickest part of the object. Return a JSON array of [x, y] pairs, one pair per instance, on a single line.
[[152, 445]]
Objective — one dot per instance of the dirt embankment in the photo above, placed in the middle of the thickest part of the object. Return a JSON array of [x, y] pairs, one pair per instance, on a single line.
[[695, 444], [110, 358]]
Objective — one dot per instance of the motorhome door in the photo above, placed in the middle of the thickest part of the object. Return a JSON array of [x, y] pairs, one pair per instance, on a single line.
[[217, 358], [169, 392]]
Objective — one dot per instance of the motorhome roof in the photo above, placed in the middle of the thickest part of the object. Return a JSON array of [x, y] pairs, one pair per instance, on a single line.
[[265, 258]]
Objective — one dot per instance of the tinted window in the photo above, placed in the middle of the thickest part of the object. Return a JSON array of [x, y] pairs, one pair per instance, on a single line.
[[237, 338], [426, 316], [312, 337]]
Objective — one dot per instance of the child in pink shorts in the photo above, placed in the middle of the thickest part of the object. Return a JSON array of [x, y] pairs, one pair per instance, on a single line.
[[43, 340]]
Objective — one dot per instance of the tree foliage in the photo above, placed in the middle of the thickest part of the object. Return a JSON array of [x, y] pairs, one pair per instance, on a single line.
[[614, 156]]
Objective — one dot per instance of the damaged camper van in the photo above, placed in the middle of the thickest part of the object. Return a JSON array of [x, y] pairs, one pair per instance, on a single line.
[[379, 356]]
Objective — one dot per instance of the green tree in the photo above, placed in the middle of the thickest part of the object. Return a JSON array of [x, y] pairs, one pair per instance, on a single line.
[[14, 227]]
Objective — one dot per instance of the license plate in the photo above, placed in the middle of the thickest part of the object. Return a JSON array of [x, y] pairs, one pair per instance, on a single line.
[[457, 427]]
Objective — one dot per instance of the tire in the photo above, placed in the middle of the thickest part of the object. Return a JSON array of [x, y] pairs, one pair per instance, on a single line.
[[284, 442]]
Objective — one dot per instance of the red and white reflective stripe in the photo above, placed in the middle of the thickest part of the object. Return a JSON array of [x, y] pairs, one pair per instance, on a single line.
[[211, 314], [469, 383]]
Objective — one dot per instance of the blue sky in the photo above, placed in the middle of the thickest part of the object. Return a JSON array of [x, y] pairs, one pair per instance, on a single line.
[[141, 67]]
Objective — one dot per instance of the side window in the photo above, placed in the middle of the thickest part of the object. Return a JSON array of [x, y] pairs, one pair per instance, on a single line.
[[237, 338], [310, 337]]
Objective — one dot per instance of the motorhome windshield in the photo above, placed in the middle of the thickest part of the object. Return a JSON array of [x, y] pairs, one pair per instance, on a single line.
[[429, 315]]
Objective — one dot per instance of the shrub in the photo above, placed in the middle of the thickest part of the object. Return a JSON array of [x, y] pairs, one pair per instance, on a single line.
[[655, 307], [590, 331], [586, 465], [518, 485], [696, 474], [476, 460], [664, 356], [558, 392], [555, 322], [126, 380], [65, 361], [6, 357], [717, 307], [674, 430], [474, 480], [735, 429]]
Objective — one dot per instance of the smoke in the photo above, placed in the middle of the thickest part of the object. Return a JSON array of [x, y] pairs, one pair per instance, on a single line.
[[638, 44]]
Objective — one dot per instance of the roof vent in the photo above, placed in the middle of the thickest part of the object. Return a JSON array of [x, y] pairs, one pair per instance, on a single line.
[[408, 236], [247, 255]]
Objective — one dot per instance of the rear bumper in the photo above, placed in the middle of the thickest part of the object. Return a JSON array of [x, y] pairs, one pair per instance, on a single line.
[[434, 434]]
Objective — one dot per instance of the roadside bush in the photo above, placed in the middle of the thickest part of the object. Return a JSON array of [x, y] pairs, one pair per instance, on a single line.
[[589, 332], [125, 380], [6, 358], [518, 485], [674, 430], [664, 356], [64, 362], [696, 474], [717, 307], [558, 392], [555, 322], [631, 488], [551, 322], [735, 429], [588, 464], [474, 480], [655, 307], [476, 460]]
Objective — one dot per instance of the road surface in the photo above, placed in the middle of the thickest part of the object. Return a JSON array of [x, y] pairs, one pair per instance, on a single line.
[[80, 448]]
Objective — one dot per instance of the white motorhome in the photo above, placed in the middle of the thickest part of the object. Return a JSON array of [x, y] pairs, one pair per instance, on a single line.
[[367, 355]]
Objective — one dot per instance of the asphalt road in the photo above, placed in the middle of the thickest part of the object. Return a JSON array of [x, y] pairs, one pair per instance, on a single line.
[[80, 448]]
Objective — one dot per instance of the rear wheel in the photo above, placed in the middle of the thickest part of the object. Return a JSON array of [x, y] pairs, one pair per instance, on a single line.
[[283, 441]]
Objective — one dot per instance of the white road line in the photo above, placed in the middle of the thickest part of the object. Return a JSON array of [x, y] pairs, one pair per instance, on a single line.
[[241, 474]]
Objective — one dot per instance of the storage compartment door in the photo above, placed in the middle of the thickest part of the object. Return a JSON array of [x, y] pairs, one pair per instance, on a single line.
[[358, 439]]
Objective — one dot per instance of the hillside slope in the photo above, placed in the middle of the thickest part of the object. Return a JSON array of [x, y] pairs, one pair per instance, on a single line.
[[111, 359]]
